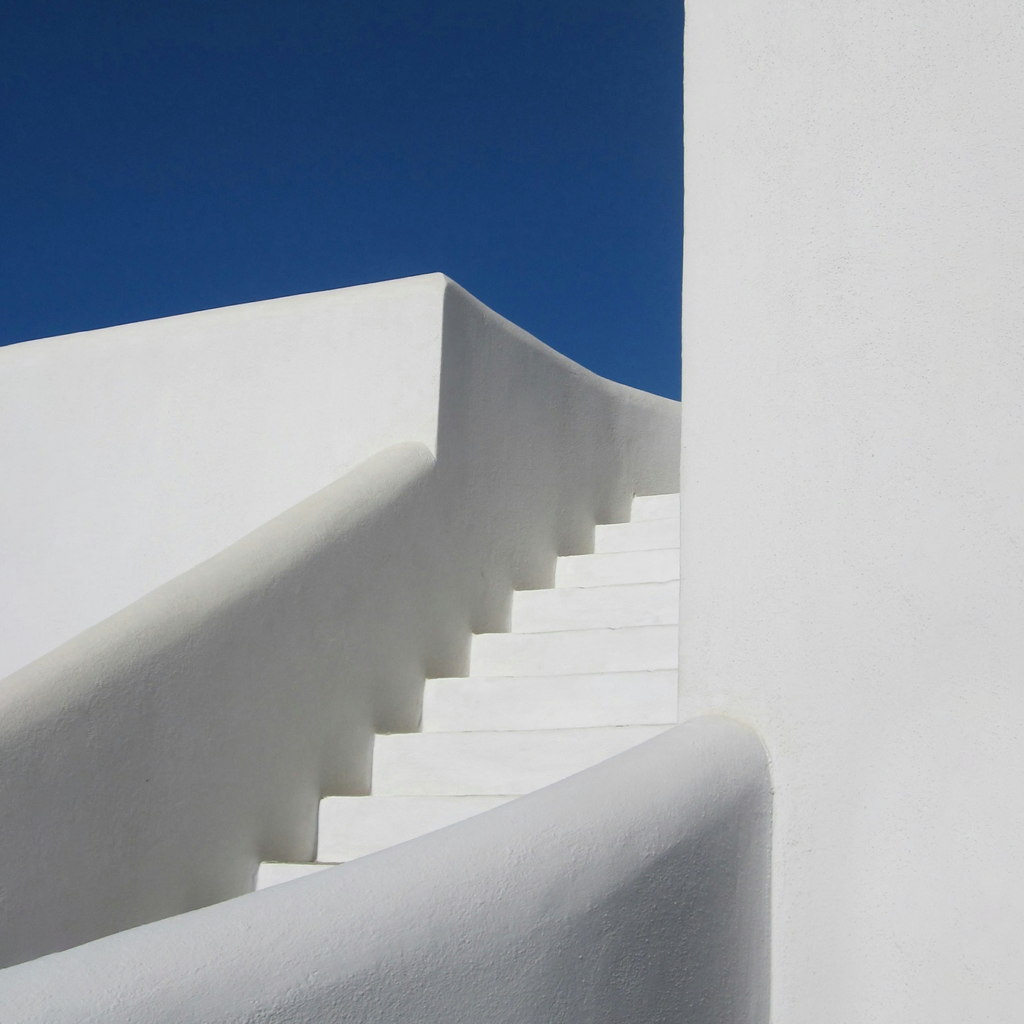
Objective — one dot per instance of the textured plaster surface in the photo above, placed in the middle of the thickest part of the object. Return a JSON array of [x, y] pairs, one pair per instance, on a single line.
[[853, 482], [634, 891]]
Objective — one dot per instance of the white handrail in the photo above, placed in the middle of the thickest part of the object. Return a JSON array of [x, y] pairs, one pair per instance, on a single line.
[[636, 890]]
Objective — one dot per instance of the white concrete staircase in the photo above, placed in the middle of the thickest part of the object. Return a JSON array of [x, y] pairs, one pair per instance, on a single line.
[[588, 670]]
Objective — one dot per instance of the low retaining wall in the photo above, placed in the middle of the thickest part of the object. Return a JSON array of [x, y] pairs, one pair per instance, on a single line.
[[634, 891]]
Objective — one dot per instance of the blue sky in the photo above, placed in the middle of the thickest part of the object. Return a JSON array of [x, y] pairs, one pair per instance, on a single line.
[[157, 158]]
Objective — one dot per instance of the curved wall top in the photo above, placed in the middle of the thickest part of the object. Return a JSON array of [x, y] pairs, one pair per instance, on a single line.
[[636, 890], [129, 454]]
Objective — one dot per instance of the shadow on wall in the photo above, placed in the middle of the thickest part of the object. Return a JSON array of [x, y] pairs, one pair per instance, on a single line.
[[147, 765]]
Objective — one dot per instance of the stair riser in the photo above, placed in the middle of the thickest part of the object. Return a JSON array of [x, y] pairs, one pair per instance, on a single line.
[[636, 649], [560, 702], [639, 604], [468, 764], [645, 536], [353, 826], [271, 873], [660, 566], [655, 506]]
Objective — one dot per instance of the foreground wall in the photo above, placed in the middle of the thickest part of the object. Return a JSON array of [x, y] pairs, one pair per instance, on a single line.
[[148, 764], [634, 891], [853, 481]]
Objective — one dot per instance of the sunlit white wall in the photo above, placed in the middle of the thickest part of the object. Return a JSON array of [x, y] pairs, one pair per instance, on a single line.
[[130, 454], [853, 481]]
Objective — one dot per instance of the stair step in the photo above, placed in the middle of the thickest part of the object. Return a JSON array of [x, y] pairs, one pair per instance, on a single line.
[[549, 702], [546, 701], [353, 826], [655, 506], [575, 651], [601, 570], [567, 608], [499, 763], [645, 535], [275, 872]]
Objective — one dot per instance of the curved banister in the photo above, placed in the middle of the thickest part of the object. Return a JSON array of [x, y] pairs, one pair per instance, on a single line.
[[636, 890]]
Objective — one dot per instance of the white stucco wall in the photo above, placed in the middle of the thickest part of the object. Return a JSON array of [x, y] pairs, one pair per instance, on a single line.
[[636, 891], [853, 481], [151, 761], [129, 454]]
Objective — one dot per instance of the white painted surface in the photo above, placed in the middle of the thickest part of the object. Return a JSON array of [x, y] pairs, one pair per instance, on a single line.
[[192, 734], [499, 763], [272, 873], [635, 891], [484, 736], [617, 568], [550, 702], [561, 608], [853, 481], [654, 506], [642, 536], [130, 454], [575, 650], [354, 826]]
